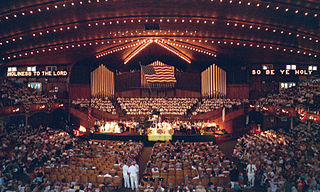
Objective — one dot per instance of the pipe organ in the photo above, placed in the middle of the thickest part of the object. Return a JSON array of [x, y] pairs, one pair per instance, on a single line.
[[213, 82], [102, 82]]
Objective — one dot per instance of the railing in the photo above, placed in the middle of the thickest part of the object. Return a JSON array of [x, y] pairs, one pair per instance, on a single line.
[[285, 111], [30, 108]]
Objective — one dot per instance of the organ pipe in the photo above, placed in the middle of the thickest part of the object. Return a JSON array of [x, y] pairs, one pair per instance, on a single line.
[[213, 82], [102, 82]]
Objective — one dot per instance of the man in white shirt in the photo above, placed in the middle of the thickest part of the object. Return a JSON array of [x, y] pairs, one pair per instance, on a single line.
[[133, 176], [125, 175], [137, 167], [251, 169]]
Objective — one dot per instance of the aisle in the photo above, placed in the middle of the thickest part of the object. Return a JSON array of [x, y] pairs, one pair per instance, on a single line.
[[144, 158], [227, 149], [142, 162]]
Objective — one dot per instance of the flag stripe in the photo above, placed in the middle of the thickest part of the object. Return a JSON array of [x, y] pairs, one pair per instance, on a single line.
[[162, 73]]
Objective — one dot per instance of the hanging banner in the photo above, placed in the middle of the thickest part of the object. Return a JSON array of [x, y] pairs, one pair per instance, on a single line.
[[37, 74]]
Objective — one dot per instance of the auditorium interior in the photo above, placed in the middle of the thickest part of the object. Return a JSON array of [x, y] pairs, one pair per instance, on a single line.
[[154, 96]]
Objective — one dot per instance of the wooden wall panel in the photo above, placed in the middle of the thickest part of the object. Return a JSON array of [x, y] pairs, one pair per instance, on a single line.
[[238, 91], [129, 93], [79, 91], [186, 93]]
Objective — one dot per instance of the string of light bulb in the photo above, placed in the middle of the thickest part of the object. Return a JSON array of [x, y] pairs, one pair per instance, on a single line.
[[55, 5]]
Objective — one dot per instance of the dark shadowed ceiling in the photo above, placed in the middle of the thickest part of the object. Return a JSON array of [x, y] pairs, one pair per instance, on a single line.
[[41, 32]]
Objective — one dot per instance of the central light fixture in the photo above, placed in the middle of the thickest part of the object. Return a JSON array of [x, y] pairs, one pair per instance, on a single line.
[[137, 50]]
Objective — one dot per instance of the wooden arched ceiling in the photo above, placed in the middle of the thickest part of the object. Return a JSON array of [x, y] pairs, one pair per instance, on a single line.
[[62, 32]]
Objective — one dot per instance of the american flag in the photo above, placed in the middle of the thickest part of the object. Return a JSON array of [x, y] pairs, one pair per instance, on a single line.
[[158, 72]]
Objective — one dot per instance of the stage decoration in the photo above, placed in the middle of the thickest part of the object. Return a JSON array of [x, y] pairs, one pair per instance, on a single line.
[[160, 132], [157, 74], [102, 82], [213, 82]]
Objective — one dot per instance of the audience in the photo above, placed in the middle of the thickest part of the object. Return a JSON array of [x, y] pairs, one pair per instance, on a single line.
[[44, 159], [184, 166], [306, 93], [13, 94], [283, 160]]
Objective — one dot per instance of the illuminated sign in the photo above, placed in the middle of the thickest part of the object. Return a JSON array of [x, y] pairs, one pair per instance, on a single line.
[[37, 74], [34, 85], [280, 72]]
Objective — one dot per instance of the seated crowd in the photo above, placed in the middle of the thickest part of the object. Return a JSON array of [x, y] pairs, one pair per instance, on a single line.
[[184, 166], [166, 106], [45, 159], [306, 93], [212, 104], [103, 104], [283, 160], [13, 94]]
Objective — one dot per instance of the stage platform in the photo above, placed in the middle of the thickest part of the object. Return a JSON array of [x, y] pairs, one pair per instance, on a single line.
[[144, 138]]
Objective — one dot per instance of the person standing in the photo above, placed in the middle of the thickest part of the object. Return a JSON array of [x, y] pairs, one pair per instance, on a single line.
[[251, 169], [234, 176], [125, 168], [133, 176], [137, 166]]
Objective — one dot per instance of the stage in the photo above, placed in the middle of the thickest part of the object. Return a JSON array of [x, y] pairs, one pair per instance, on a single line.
[[144, 138]]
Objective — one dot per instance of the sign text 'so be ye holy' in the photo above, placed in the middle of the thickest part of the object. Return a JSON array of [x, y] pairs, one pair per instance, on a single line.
[[280, 72]]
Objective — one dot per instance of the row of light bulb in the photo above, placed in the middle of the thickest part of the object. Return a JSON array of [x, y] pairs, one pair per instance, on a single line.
[[243, 43], [41, 8], [185, 58], [264, 46], [135, 52], [55, 29], [193, 48], [225, 42], [268, 6], [110, 51], [309, 37], [60, 47], [143, 44]]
